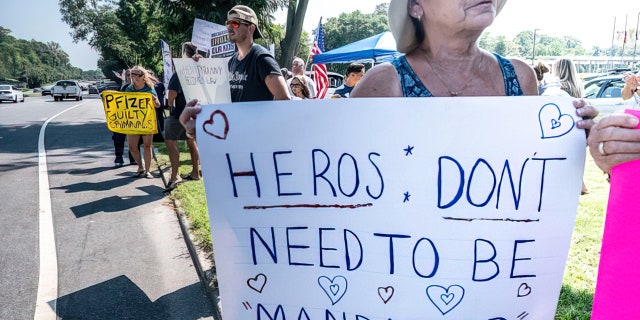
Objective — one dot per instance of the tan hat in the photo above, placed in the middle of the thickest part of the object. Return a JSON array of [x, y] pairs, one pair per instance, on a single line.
[[247, 14], [402, 26]]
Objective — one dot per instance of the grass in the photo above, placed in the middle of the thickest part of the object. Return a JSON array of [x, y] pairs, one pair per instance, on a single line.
[[582, 265]]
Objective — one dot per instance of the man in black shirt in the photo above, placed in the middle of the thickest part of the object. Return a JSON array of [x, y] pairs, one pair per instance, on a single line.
[[254, 73]]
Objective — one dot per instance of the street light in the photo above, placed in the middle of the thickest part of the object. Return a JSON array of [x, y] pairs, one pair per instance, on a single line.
[[533, 54]]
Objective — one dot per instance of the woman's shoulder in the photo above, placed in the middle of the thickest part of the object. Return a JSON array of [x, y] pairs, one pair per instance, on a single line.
[[381, 81], [526, 76]]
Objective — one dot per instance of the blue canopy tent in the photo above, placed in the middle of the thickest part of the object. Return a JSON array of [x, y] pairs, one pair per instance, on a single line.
[[376, 49]]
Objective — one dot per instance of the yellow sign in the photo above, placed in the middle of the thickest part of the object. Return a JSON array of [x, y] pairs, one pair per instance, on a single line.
[[130, 112]]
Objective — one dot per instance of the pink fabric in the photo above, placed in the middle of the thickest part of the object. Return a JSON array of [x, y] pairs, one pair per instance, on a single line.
[[617, 293]]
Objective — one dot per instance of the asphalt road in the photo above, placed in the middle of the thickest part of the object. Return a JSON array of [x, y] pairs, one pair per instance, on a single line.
[[118, 251]]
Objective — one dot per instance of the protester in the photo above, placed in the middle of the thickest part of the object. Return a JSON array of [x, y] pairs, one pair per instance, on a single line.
[[120, 138], [440, 42], [355, 72], [174, 131], [540, 70], [566, 72], [631, 85], [141, 81], [614, 140], [300, 88], [297, 69], [254, 73]]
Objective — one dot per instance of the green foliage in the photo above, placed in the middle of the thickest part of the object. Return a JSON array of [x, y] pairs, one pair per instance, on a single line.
[[33, 62], [354, 26]]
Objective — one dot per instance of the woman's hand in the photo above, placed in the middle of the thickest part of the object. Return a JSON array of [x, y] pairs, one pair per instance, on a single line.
[[614, 140], [630, 85], [587, 112], [188, 117]]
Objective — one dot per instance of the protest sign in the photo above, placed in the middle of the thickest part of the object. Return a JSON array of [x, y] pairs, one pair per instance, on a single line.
[[414, 208], [167, 65], [212, 39], [206, 80], [130, 112], [616, 295]]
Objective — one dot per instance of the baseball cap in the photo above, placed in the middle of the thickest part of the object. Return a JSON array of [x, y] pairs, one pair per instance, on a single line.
[[247, 14]]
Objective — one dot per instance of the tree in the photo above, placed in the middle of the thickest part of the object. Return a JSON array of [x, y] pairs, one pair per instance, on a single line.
[[354, 26], [295, 18]]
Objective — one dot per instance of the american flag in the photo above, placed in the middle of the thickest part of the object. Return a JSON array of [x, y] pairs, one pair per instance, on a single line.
[[319, 70]]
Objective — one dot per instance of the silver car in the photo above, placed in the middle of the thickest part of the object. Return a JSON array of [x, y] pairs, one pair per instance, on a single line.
[[10, 93], [605, 93]]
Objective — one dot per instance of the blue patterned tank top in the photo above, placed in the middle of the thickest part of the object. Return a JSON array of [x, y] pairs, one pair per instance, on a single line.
[[413, 87]]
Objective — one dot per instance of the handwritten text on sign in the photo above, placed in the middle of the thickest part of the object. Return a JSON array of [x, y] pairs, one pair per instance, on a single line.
[[206, 80], [432, 208], [130, 112]]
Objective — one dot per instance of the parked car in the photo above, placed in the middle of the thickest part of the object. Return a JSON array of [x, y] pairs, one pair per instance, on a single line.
[[10, 93], [335, 80], [605, 93], [93, 89], [46, 90], [66, 89]]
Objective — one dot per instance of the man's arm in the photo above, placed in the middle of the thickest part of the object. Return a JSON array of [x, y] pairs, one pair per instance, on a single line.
[[171, 98], [277, 86]]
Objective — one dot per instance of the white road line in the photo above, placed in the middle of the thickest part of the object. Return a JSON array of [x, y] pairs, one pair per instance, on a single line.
[[48, 278]]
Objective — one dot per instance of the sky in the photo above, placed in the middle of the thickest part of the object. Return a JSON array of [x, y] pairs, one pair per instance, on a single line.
[[591, 22]]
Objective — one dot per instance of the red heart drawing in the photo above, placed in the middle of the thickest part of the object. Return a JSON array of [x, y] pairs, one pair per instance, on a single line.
[[385, 293], [214, 128], [257, 283]]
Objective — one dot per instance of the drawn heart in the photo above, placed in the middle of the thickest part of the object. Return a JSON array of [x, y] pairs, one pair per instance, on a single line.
[[445, 299], [257, 283], [385, 293], [334, 288], [524, 290], [554, 123], [217, 126]]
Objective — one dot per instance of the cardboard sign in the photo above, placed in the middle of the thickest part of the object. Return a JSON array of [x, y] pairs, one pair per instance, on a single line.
[[616, 296], [211, 38], [130, 112], [206, 80], [415, 208]]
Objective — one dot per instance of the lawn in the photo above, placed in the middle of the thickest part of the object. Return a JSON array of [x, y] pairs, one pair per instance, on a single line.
[[580, 272]]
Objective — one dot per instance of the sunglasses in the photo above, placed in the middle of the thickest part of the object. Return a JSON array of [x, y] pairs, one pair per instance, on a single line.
[[295, 85], [136, 74], [235, 23]]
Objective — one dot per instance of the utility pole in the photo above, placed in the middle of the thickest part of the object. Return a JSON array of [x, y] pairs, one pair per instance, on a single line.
[[533, 53]]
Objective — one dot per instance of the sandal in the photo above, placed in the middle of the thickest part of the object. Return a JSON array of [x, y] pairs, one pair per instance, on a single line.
[[190, 178], [139, 174], [172, 185]]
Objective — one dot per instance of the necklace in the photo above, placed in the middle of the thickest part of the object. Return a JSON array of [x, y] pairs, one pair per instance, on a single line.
[[451, 92]]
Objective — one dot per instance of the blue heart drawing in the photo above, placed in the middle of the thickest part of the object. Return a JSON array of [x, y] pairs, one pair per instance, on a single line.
[[334, 288], [554, 123], [449, 298]]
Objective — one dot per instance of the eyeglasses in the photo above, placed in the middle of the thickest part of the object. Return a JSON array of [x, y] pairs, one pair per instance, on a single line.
[[235, 23], [295, 85], [137, 74]]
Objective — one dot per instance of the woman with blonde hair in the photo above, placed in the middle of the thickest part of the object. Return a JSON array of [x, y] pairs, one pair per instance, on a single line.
[[566, 72], [142, 81]]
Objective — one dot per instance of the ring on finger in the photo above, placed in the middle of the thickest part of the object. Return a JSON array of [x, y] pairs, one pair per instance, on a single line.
[[601, 149]]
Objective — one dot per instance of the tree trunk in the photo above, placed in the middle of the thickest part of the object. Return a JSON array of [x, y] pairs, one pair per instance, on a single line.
[[291, 42]]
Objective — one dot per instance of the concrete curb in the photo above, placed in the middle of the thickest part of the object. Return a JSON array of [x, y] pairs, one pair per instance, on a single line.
[[204, 266]]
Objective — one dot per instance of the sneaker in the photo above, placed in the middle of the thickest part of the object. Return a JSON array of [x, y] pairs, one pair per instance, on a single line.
[[119, 162]]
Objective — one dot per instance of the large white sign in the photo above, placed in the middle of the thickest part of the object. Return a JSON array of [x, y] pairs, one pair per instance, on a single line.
[[206, 80], [416, 208]]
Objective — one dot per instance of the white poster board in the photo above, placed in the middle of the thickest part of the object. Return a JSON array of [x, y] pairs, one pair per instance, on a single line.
[[206, 80], [416, 208], [211, 38]]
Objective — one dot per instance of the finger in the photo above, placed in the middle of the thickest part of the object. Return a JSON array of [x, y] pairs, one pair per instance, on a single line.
[[619, 120]]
